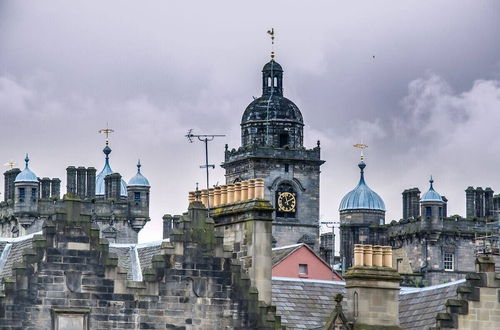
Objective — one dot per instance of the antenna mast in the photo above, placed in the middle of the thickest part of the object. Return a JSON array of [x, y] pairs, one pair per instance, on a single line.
[[204, 138]]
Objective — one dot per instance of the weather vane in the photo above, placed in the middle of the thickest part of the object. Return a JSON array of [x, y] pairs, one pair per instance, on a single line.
[[362, 147], [271, 33], [106, 131], [11, 164]]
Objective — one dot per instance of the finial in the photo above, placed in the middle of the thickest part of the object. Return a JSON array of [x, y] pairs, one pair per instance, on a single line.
[[271, 33], [27, 160], [318, 143], [362, 147], [139, 165], [106, 131], [11, 164], [431, 180]]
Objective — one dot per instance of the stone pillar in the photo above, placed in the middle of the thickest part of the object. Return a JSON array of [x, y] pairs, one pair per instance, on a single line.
[[80, 182], [372, 292], [55, 188], [91, 173], [470, 197], [45, 188], [71, 180]]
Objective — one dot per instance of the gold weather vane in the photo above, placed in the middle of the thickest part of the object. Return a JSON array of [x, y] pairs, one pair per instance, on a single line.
[[11, 164], [106, 131], [271, 33], [362, 147]]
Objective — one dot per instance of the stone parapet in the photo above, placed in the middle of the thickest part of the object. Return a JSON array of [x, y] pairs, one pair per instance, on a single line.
[[253, 151]]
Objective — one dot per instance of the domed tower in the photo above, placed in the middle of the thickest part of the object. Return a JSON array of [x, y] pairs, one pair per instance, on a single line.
[[431, 209], [272, 148], [100, 182], [362, 213], [138, 197], [272, 120], [27, 189]]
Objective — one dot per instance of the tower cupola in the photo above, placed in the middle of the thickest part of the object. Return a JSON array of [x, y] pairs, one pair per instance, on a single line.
[[26, 175], [272, 79], [362, 197]]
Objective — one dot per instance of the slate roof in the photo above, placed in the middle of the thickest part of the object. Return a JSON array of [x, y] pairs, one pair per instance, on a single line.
[[307, 304], [282, 252], [145, 252], [15, 253], [418, 307], [302, 303]]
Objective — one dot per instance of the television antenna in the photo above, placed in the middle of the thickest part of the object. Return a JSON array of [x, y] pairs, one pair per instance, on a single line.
[[204, 138]]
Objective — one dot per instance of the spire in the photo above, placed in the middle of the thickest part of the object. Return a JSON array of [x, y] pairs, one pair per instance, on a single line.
[[26, 160], [139, 166], [362, 166], [431, 181], [107, 149]]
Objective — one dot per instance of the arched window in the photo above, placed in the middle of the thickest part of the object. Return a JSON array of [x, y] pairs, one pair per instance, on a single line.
[[275, 82], [269, 82], [286, 201]]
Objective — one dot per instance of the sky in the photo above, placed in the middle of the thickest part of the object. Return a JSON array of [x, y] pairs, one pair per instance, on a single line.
[[417, 81]]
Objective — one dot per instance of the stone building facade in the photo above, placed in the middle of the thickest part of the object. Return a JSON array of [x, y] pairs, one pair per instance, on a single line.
[[70, 278], [430, 247], [272, 148], [119, 209]]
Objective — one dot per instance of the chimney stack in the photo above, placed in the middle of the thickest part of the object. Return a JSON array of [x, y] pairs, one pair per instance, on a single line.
[[373, 288]]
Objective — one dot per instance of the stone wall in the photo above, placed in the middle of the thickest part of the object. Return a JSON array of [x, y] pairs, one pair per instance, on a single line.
[[478, 303], [69, 278]]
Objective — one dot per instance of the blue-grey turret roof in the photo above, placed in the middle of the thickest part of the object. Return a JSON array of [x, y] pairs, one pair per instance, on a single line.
[[26, 175], [99, 179], [362, 197], [431, 195], [139, 180]]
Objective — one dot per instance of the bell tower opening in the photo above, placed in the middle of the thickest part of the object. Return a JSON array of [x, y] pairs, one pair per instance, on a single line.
[[283, 139]]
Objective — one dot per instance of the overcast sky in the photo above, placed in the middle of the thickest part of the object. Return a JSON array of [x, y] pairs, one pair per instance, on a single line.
[[418, 81]]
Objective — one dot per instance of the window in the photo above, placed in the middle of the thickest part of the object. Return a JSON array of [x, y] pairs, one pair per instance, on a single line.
[[275, 82], [303, 269], [428, 211], [33, 193], [286, 168], [283, 140], [137, 196], [440, 212], [22, 193], [448, 261], [269, 82]]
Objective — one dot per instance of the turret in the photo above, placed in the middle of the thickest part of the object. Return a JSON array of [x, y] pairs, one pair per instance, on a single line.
[[138, 196], [26, 191], [431, 209]]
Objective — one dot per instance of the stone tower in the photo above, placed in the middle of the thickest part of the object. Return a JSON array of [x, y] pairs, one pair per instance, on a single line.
[[362, 215], [272, 134]]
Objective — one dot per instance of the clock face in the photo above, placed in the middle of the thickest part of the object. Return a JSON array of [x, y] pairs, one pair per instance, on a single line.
[[286, 202]]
